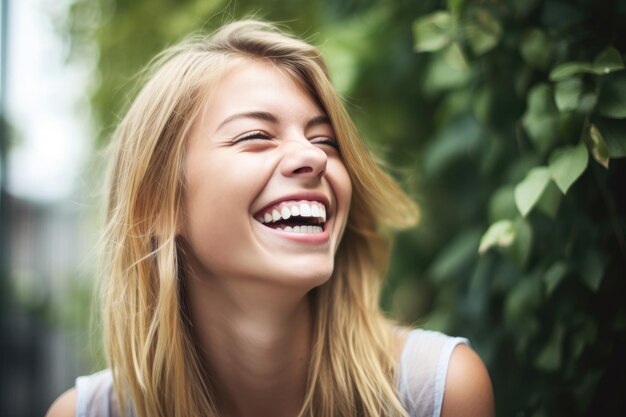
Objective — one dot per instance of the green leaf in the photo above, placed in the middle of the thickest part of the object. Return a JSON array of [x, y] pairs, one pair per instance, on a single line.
[[586, 333], [567, 94], [528, 191], [608, 61], [522, 300], [541, 120], [482, 105], [614, 134], [592, 269], [484, 33], [587, 103], [456, 256], [453, 56], [550, 200], [502, 204], [520, 249], [434, 31], [540, 100], [585, 389], [501, 233], [446, 71], [599, 149], [535, 48], [456, 6], [569, 69], [461, 134], [568, 163], [612, 100], [554, 275], [549, 358]]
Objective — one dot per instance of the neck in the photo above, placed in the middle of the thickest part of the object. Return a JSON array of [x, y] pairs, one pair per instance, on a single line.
[[255, 338]]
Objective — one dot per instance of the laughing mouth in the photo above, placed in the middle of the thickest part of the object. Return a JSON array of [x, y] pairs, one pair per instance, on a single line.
[[294, 216]]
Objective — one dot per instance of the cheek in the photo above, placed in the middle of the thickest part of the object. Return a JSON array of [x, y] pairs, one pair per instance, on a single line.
[[342, 189], [218, 197], [342, 185], [213, 225], [221, 186]]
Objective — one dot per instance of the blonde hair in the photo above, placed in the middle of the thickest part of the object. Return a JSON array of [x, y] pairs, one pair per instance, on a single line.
[[148, 343]]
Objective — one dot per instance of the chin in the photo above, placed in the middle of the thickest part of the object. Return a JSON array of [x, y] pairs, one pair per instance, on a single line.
[[306, 275]]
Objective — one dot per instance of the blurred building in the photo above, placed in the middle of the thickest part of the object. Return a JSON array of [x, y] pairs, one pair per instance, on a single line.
[[45, 319], [46, 267]]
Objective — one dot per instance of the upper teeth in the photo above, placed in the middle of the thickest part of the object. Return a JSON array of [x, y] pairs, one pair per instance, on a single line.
[[287, 209]]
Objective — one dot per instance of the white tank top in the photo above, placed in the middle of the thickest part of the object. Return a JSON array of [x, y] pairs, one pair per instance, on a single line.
[[421, 378]]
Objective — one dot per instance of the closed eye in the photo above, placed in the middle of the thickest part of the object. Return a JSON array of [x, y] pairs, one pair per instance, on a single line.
[[257, 134], [325, 141]]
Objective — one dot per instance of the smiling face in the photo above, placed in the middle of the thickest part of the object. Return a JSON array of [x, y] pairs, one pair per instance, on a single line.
[[267, 194]]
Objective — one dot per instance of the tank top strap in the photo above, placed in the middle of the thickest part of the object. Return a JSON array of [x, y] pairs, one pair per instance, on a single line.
[[96, 396]]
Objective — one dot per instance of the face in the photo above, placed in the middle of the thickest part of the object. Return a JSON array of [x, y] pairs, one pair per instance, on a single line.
[[267, 194]]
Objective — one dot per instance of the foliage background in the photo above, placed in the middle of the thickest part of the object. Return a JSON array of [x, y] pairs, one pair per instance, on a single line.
[[507, 122]]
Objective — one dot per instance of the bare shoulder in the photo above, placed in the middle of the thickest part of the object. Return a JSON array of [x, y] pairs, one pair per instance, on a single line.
[[64, 406], [468, 391]]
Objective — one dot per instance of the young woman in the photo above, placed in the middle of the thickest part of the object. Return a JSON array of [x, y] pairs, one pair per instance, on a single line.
[[246, 240]]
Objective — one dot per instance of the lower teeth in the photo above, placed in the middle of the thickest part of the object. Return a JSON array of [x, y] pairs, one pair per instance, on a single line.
[[303, 229]]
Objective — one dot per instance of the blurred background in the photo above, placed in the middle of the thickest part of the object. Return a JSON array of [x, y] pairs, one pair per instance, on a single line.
[[505, 119]]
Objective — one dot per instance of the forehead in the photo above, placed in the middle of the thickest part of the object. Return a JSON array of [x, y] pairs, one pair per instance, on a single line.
[[257, 85]]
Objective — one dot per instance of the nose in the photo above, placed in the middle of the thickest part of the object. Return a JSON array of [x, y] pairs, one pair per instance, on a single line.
[[303, 159]]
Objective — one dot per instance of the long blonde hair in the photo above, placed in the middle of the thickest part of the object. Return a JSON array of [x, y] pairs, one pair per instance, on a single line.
[[150, 349]]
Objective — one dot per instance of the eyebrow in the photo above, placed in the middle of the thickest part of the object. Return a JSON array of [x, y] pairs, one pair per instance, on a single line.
[[259, 115], [270, 117], [319, 120]]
